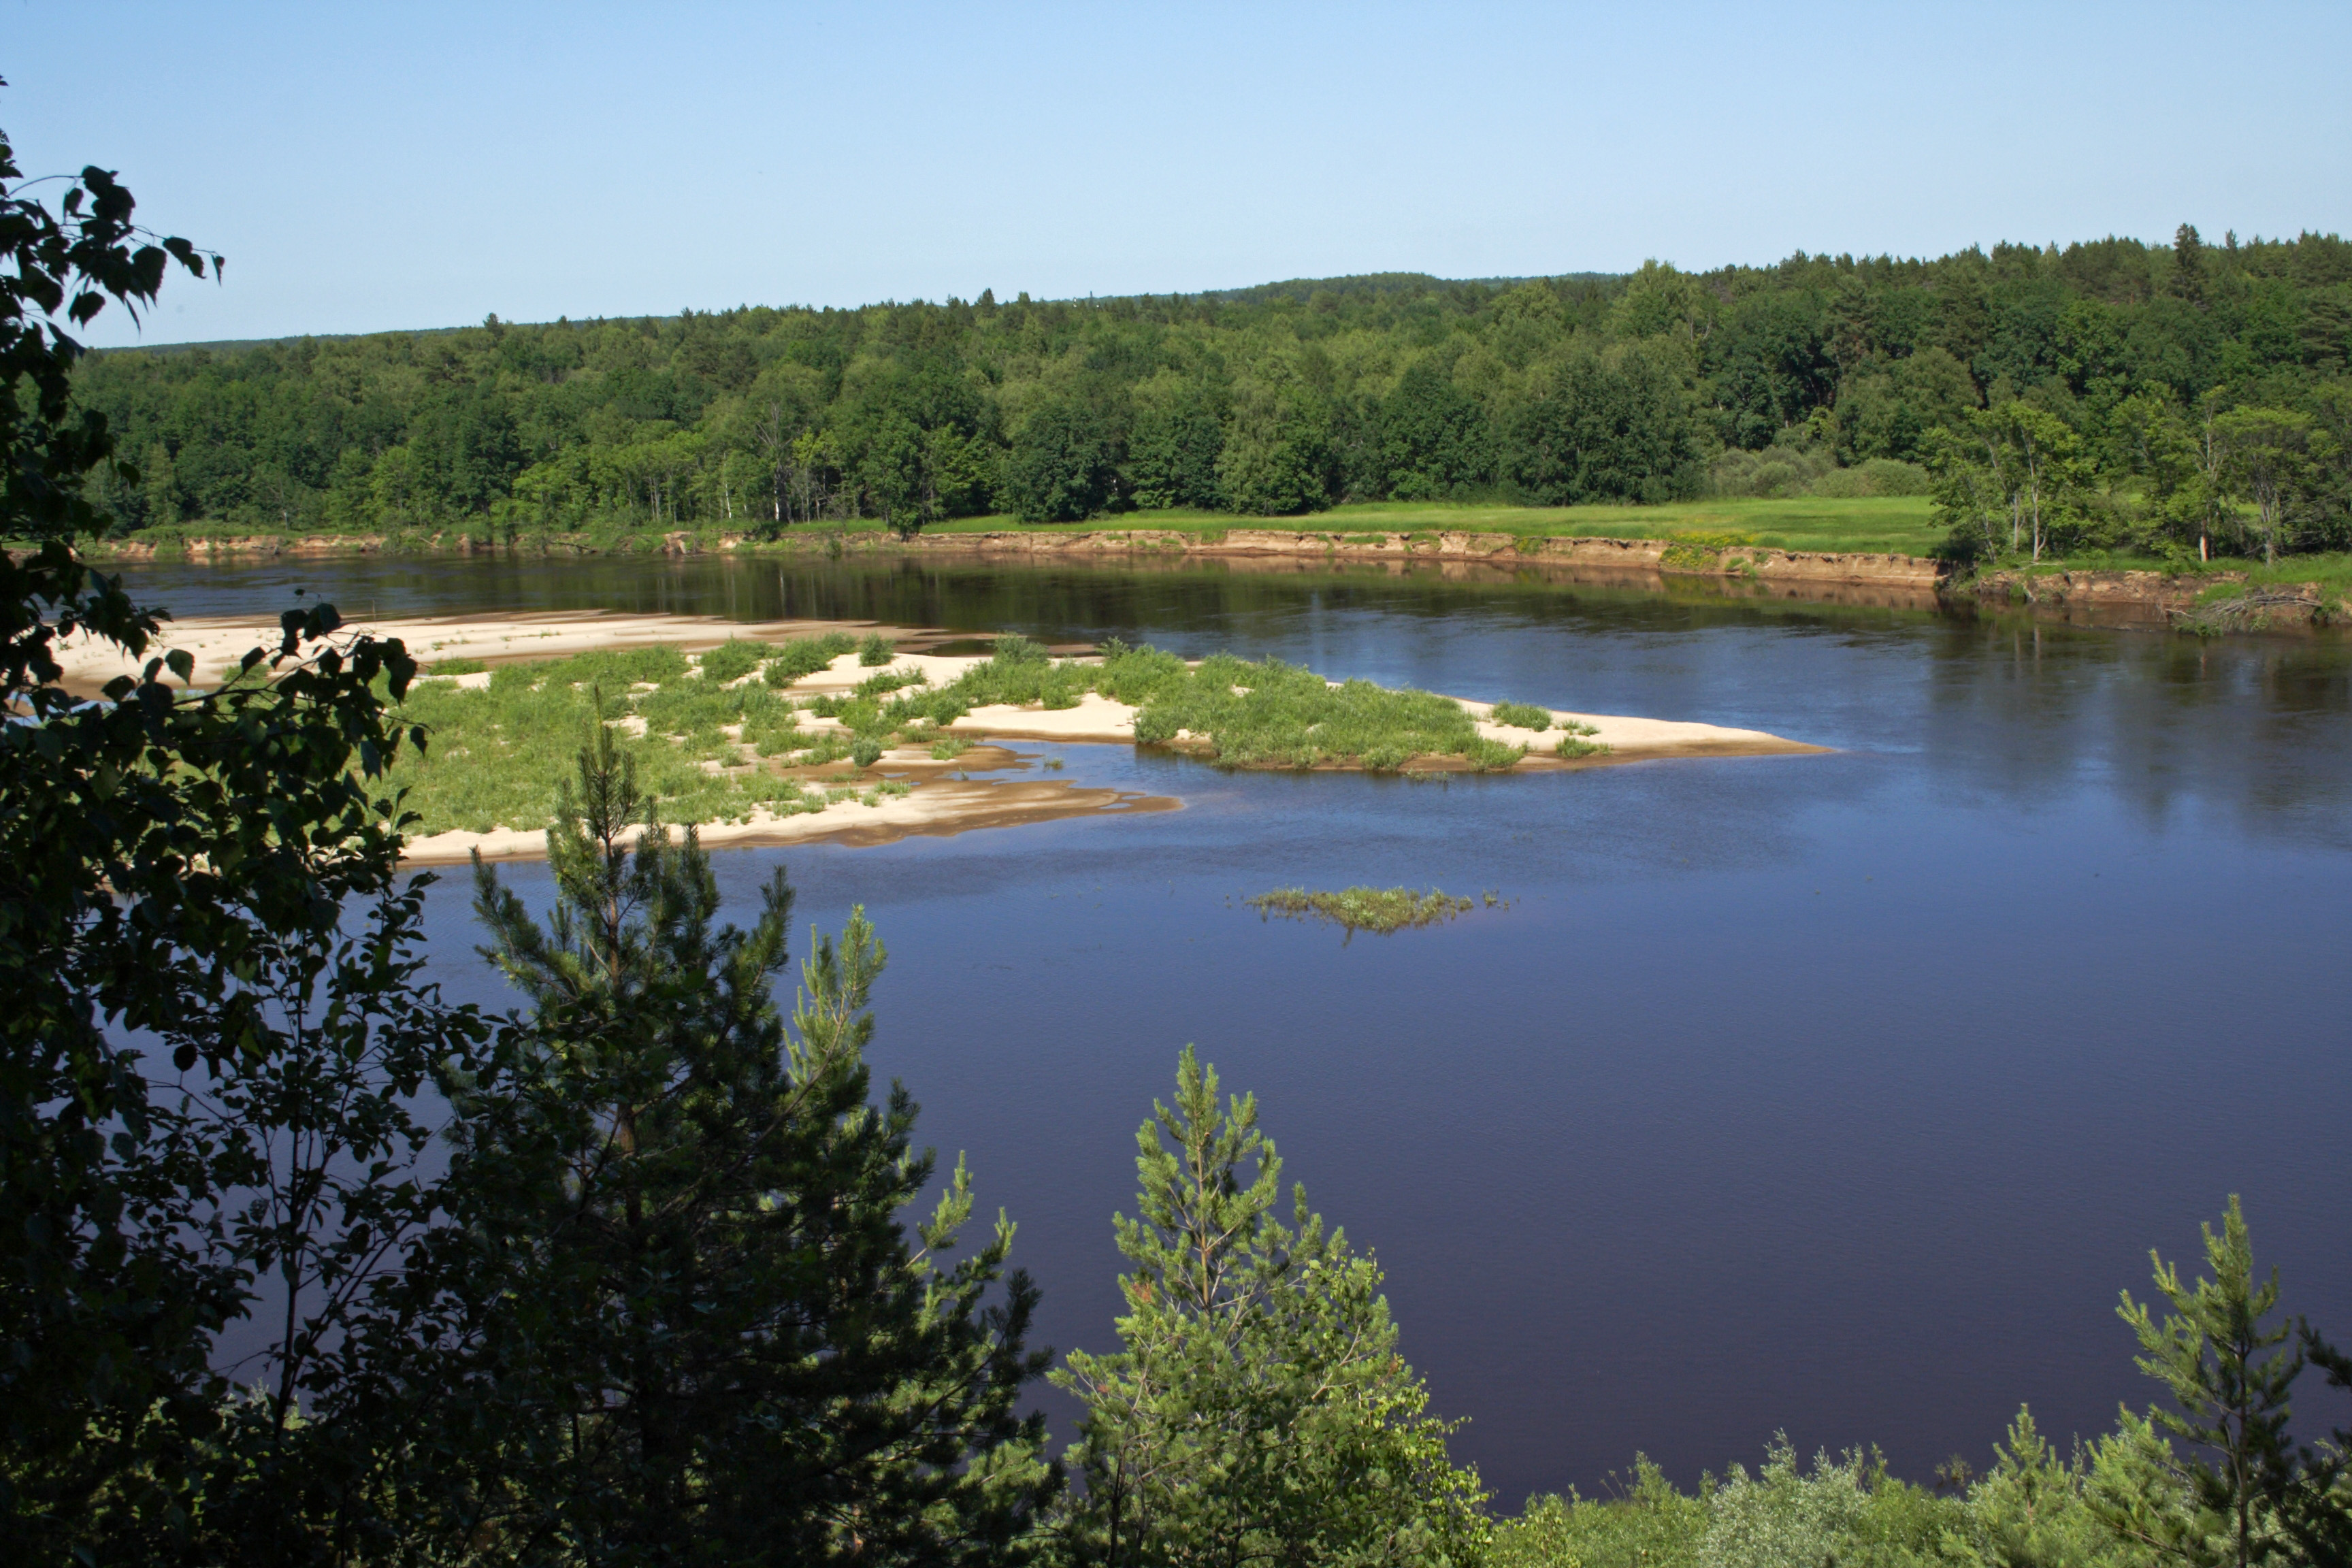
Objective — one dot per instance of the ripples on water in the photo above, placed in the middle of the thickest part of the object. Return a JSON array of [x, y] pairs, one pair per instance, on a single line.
[[1835, 1094]]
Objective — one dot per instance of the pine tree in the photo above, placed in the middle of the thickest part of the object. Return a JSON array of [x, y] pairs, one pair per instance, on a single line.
[[703, 1333], [1259, 1409], [2188, 264], [2029, 1510], [2231, 1382], [2321, 1518]]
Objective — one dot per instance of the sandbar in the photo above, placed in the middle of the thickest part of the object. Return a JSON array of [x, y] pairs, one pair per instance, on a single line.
[[216, 644], [941, 808], [937, 804]]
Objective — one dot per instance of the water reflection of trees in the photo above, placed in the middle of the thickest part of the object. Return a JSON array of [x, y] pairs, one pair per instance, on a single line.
[[1056, 599], [2253, 729]]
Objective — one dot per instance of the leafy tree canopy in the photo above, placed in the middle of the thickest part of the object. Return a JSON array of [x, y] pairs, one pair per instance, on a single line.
[[1277, 400]]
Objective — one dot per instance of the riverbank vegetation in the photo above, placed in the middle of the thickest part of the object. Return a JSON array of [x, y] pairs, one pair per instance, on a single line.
[[1897, 525], [2149, 401]]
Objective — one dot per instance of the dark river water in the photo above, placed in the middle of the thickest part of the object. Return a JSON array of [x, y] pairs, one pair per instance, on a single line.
[[1836, 1095]]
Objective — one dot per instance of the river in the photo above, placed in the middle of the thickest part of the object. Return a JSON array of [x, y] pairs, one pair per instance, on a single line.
[[1835, 1095]]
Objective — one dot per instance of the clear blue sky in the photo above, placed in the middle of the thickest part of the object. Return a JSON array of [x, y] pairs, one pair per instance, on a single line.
[[368, 166]]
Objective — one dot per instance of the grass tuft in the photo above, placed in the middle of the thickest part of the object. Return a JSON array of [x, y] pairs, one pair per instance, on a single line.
[[1014, 648], [1520, 716], [890, 680], [876, 650], [803, 657], [733, 659]]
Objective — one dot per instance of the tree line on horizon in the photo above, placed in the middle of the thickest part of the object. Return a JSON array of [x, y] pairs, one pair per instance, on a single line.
[[2179, 398]]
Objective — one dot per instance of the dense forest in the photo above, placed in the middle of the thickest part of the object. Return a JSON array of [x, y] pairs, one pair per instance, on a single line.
[[2182, 399]]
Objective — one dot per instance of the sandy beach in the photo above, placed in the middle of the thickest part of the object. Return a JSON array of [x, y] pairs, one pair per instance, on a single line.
[[935, 803], [217, 645], [939, 808]]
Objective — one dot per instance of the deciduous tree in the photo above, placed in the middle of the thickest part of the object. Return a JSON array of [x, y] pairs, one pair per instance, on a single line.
[[2273, 458], [176, 867]]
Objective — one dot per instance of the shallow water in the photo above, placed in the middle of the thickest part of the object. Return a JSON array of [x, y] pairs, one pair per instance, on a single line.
[[1832, 1094]]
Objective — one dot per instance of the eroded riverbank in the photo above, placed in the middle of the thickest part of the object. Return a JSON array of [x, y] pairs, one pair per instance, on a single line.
[[2208, 603]]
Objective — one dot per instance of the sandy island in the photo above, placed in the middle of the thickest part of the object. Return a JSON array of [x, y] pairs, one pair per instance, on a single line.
[[937, 804]]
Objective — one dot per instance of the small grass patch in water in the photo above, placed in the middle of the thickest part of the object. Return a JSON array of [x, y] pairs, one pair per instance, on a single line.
[[1382, 910]]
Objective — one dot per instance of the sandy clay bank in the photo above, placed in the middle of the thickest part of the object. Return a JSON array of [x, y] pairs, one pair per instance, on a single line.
[[921, 792]]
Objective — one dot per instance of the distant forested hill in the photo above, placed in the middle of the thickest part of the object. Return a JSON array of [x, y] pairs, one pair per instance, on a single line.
[[2101, 377]]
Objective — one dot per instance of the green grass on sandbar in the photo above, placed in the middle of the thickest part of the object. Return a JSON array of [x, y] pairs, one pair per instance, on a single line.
[[496, 752], [1265, 715], [714, 740]]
